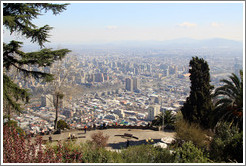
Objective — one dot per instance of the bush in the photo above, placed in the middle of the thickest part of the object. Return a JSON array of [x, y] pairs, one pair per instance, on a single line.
[[99, 139], [191, 132], [61, 124], [18, 150], [146, 154], [227, 144], [93, 154], [13, 124], [189, 153]]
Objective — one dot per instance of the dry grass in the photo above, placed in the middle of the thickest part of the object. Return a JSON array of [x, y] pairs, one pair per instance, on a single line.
[[99, 139], [191, 132]]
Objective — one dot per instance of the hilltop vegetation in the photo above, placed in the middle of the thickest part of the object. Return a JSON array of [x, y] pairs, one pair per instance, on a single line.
[[206, 132]]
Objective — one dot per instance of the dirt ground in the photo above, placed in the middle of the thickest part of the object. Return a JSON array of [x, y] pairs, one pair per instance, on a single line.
[[114, 142]]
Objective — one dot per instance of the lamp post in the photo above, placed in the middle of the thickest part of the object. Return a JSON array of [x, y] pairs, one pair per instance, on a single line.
[[163, 120], [162, 116]]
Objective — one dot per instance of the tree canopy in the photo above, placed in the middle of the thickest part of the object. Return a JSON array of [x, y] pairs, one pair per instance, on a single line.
[[199, 104], [229, 105], [18, 17]]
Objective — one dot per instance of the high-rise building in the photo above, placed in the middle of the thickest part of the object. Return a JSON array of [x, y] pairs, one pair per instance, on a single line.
[[166, 72], [148, 68], [99, 77], [47, 100], [135, 84], [129, 84], [153, 111]]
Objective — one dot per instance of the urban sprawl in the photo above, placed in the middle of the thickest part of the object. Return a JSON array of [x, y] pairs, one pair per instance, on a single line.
[[121, 86]]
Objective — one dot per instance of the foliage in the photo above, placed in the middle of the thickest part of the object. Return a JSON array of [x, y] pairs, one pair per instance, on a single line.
[[71, 153], [227, 144], [230, 105], [189, 153], [18, 17], [146, 154], [17, 150], [13, 124], [93, 154], [12, 93], [99, 139], [191, 132], [62, 124], [169, 119], [198, 105]]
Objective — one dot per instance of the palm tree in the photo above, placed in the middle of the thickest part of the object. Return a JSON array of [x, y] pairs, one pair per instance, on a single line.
[[169, 119], [229, 106]]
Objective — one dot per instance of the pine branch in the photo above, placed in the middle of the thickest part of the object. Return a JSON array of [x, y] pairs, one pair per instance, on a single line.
[[12, 93]]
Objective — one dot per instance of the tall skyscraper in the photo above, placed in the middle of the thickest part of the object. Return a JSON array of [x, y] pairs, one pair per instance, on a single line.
[[135, 84], [129, 84], [153, 111], [47, 100]]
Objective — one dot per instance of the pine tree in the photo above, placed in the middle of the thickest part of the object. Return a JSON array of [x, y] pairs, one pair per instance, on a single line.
[[198, 105], [18, 17]]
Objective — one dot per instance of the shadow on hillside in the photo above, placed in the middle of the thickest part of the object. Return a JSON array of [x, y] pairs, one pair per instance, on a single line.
[[121, 145]]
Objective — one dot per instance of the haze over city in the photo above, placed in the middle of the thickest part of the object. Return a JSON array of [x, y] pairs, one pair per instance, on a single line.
[[100, 23], [137, 77]]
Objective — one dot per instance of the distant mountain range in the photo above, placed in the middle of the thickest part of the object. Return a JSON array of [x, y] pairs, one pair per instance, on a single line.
[[180, 43]]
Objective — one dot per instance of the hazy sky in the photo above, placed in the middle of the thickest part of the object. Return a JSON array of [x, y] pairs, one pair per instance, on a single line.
[[106, 22]]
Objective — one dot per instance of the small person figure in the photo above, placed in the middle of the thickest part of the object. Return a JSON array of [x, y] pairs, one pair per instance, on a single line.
[[69, 136], [94, 126], [50, 138], [85, 129], [127, 143]]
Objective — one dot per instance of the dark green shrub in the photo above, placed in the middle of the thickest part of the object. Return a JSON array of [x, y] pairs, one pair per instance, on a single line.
[[95, 154], [62, 125], [189, 153], [227, 144], [146, 154]]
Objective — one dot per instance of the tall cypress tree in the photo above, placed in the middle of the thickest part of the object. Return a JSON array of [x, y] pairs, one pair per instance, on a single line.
[[198, 105], [18, 17]]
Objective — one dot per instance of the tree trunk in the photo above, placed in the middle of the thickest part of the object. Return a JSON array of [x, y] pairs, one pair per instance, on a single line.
[[56, 107], [9, 112]]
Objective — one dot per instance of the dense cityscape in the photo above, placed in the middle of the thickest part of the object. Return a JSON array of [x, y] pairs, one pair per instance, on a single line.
[[123, 82], [115, 86]]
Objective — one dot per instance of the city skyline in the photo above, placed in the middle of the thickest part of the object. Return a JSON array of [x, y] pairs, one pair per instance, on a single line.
[[101, 22]]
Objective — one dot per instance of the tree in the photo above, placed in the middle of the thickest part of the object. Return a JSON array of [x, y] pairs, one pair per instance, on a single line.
[[189, 153], [56, 88], [229, 106], [168, 118], [198, 105], [227, 144], [18, 17]]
